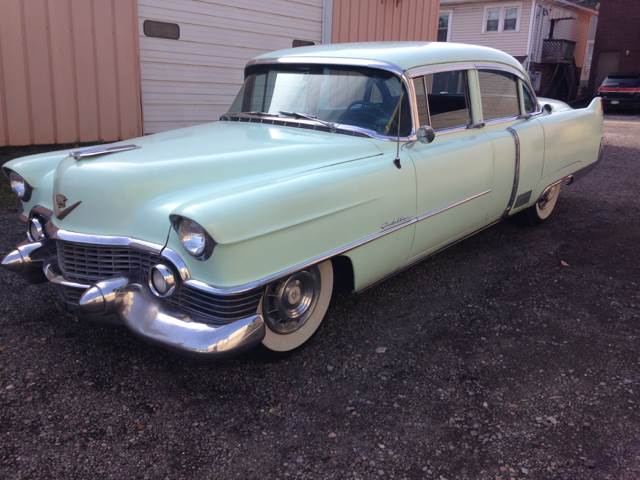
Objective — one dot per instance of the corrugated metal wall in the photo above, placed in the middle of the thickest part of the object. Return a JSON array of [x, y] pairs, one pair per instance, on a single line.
[[369, 20], [69, 71]]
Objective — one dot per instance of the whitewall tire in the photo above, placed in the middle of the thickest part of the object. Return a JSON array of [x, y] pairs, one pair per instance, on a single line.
[[544, 207], [294, 307]]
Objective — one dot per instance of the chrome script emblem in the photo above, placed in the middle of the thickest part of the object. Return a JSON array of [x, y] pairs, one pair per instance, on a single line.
[[60, 204]]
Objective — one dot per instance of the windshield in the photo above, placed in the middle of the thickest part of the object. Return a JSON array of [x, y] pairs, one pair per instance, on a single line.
[[361, 97], [621, 81]]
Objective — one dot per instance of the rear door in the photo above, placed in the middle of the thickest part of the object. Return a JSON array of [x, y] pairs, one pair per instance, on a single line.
[[517, 138]]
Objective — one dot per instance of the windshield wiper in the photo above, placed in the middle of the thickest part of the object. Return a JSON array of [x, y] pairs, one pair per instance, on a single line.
[[306, 116]]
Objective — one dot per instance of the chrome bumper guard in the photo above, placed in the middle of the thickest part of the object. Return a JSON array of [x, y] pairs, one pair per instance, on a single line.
[[141, 312]]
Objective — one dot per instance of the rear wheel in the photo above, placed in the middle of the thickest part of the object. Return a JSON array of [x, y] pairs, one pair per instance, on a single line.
[[544, 207], [294, 307]]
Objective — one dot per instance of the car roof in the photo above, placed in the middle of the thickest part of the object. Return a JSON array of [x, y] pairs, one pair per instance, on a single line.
[[401, 55]]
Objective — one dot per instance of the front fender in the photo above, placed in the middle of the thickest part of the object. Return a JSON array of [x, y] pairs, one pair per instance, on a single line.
[[279, 225]]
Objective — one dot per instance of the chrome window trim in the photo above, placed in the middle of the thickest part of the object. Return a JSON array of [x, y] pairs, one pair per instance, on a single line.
[[439, 67], [354, 62], [500, 120]]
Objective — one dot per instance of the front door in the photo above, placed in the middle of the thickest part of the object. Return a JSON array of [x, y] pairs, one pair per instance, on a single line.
[[454, 173]]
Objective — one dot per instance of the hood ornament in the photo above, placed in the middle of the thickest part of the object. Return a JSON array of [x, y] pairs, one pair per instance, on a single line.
[[98, 150], [60, 206]]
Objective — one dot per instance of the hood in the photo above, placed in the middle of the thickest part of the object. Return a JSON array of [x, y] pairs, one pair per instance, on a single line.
[[132, 193]]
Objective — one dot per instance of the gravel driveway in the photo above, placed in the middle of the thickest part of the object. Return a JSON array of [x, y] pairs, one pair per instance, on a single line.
[[512, 355]]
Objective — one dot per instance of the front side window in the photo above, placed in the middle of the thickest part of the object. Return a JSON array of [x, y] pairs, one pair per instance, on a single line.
[[499, 93], [447, 105], [492, 19], [353, 96]]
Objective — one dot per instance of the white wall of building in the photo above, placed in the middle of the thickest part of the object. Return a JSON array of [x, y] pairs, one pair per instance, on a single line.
[[195, 78]]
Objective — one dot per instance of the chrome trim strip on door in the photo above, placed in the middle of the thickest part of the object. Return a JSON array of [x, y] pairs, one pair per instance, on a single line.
[[435, 212], [516, 172]]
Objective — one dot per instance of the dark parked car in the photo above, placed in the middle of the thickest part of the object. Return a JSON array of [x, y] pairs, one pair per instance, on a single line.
[[620, 91]]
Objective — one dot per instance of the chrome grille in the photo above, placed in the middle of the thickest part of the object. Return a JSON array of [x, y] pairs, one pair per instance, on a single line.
[[219, 309], [87, 263], [91, 263]]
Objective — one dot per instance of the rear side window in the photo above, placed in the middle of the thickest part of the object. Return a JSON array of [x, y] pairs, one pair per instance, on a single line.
[[499, 93], [447, 99]]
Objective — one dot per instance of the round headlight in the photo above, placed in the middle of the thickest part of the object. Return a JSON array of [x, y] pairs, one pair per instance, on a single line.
[[161, 280], [18, 185], [36, 230], [192, 236]]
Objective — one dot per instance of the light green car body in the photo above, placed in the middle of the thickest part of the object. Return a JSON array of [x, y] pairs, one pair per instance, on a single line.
[[276, 198]]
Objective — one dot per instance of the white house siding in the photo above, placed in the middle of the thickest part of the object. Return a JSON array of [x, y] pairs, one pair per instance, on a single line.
[[467, 25], [194, 79]]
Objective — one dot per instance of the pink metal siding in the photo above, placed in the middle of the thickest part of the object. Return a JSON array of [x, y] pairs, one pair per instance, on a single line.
[[69, 71], [369, 20]]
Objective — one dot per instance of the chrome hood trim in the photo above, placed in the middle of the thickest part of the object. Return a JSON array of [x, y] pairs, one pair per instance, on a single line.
[[90, 152]]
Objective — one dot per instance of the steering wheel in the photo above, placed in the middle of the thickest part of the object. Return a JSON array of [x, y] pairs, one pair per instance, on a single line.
[[367, 113]]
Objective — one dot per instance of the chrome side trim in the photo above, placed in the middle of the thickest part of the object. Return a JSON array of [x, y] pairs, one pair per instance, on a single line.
[[98, 150], [56, 233], [516, 172], [432, 213], [326, 255], [567, 180]]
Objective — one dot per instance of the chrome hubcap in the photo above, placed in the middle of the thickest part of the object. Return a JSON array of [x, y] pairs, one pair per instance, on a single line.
[[289, 303], [549, 196]]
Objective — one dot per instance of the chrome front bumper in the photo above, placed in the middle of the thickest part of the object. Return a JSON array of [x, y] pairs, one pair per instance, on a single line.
[[133, 305]]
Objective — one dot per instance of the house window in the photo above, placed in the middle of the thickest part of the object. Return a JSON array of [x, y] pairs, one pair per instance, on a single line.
[[510, 19], [444, 27], [493, 20], [502, 18]]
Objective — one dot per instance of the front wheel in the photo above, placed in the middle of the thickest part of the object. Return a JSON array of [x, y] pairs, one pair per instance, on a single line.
[[544, 207], [294, 307]]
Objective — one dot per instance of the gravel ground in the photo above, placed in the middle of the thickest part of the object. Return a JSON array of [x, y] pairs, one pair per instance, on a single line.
[[511, 355]]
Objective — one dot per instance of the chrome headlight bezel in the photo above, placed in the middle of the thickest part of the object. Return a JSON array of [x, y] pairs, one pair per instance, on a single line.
[[36, 229], [19, 186], [193, 237]]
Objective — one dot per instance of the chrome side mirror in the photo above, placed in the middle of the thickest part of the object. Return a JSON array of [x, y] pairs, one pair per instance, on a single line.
[[426, 134]]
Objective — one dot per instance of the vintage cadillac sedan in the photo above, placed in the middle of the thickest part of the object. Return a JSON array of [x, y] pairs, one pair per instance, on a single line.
[[335, 165]]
